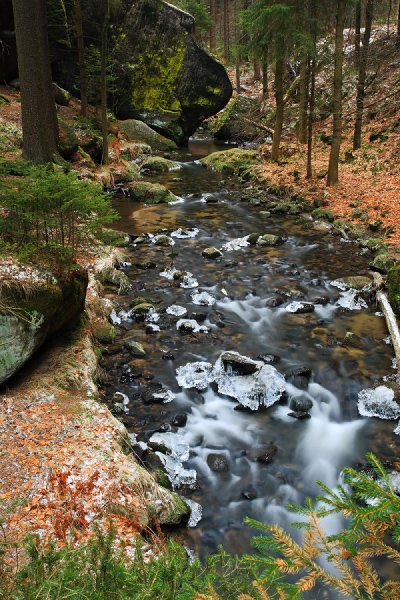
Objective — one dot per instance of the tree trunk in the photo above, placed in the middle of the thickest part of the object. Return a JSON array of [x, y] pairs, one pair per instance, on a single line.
[[303, 103], [39, 117], [279, 97], [265, 74], [256, 70], [213, 23], [333, 169], [78, 24], [237, 49], [226, 31], [103, 79], [313, 72], [388, 19], [398, 24], [369, 14], [357, 35]]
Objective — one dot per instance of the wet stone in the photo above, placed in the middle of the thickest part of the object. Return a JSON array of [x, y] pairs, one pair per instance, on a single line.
[[145, 265], [264, 454], [147, 393], [218, 463], [249, 493], [211, 253], [168, 356], [179, 420], [130, 375], [240, 365], [135, 348], [301, 404], [299, 415], [274, 301]]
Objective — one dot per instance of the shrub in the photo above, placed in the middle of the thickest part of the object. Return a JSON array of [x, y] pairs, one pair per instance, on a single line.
[[47, 206]]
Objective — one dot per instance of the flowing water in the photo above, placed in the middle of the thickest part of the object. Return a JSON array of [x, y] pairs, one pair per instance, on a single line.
[[246, 318]]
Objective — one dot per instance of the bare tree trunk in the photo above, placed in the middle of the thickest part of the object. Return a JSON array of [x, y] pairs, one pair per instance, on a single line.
[[265, 73], [256, 70], [213, 23], [78, 23], [333, 169], [103, 78], [226, 31], [357, 35], [369, 15], [388, 18], [39, 117], [303, 103], [279, 97], [237, 49], [398, 24], [313, 72]]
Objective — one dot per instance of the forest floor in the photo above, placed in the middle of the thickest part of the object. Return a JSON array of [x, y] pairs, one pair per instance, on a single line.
[[369, 186]]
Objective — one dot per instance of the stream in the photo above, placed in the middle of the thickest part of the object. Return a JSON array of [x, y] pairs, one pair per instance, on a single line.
[[232, 461]]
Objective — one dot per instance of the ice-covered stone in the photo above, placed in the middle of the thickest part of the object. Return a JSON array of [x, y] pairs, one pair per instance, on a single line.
[[114, 318], [191, 326], [351, 300], [378, 402], [176, 472], [185, 233], [196, 512], [236, 244], [262, 388], [172, 444], [176, 310], [152, 316], [300, 307], [203, 299], [169, 273], [188, 281], [165, 395], [195, 375]]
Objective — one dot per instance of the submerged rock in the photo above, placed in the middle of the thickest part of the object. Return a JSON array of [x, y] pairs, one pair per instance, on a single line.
[[264, 454], [218, 463]]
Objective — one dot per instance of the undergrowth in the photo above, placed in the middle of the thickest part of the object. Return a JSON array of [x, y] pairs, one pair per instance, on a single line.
[[161, 569]]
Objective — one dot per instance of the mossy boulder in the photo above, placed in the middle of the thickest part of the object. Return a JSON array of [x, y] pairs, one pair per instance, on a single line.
[[157, 164], [162, 76], [393, 286], [382, 263], [30, 311], [356, 282], [231, 162], [236, 122], [151, 193], [269, 239], [137, 131]]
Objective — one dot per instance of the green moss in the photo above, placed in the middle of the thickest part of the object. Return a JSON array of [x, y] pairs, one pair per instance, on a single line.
[[393, 285], [158, 164], [151, 193], [104, 332], [372, 243], [324, 214], [154, 79], [234, 161]]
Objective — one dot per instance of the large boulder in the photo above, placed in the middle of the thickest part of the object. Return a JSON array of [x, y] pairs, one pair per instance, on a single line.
[[33, 306], [162, 76], [138, 131]]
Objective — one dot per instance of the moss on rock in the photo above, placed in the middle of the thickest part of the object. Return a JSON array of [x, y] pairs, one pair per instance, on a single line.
[[151, 193], [393, 285], [157, 164], [232, 162]]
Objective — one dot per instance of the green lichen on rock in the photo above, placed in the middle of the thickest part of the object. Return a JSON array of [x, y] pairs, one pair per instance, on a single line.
[[151, 193], [179, 511], [236, 121], [157, 164], [154, 79], [323, 214], [231, 162], [382, 262], [393, 286]]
